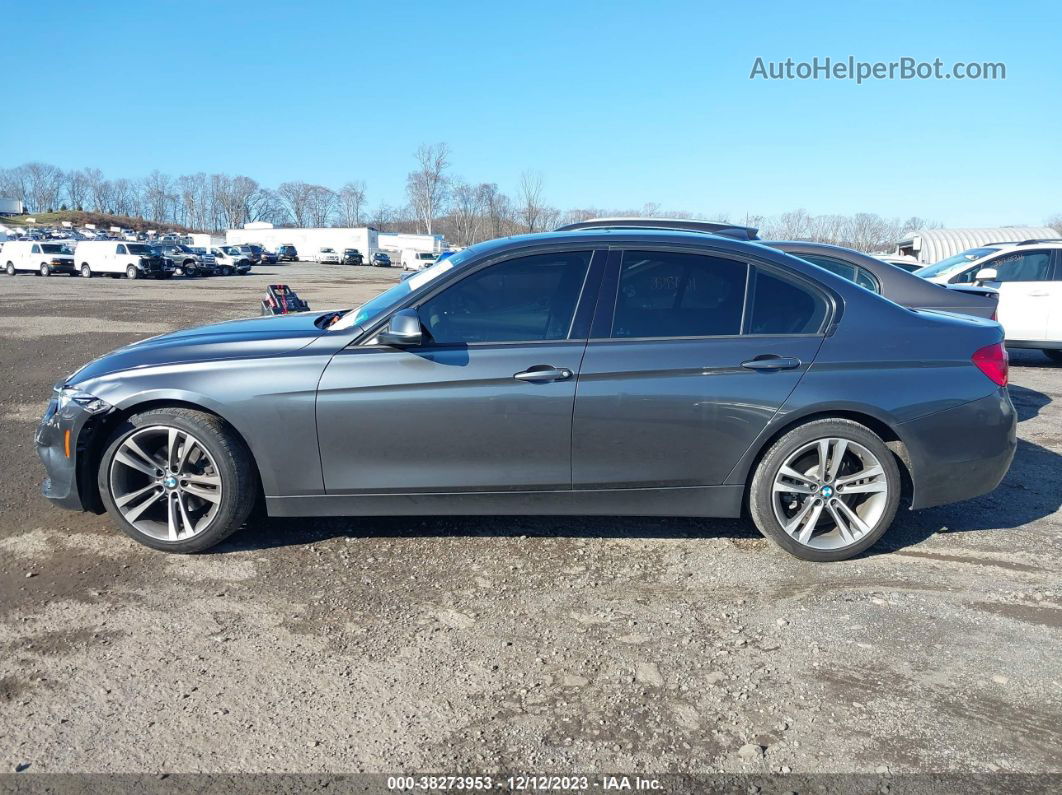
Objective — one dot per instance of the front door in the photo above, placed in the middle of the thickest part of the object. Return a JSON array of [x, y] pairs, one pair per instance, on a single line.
[[685, 374], [484, 404]]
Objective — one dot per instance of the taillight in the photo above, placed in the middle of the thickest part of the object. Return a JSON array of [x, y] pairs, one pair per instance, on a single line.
[[992, 360]]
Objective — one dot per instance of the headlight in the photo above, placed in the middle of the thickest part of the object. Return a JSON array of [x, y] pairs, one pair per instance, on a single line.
[[90, 403]]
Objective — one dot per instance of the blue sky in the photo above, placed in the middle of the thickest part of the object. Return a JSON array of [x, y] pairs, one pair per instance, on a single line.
[[615, 104]]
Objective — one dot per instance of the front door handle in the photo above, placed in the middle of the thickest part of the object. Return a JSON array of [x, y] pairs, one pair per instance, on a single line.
[[772, 362], [544, 372]]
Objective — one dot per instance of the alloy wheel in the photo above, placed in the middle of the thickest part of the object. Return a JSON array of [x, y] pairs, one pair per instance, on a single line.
[[830, 493], [165, 483]]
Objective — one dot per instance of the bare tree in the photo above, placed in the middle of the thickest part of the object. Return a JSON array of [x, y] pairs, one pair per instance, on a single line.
[[44, 183], [427, 185], [77, 188], [497, 208], [158, 197], [351, 203], [297, 196], [529, 196], [1055, 222], [467, 211]]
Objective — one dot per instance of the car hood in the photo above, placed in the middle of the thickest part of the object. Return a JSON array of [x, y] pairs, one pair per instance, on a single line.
[[272, 335]]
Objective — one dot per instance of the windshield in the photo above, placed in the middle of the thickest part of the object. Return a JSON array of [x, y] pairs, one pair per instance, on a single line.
[[328, 251], [425, 256], [948, 266], [140, 248], [381, 304], [56, 248]]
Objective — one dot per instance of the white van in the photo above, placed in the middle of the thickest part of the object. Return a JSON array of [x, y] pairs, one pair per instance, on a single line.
[[37, 256], [417, 260], [116, 257]]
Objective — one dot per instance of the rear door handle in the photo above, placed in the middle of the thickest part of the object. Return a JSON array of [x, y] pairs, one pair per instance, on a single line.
[[544, 372], [772, 363]]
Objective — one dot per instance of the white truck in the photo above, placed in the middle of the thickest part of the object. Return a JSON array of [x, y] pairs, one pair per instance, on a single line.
[[37, 257], [417, 260], [115, 258]]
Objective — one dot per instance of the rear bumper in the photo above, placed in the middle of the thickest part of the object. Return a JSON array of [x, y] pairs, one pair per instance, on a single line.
[[962, 452]]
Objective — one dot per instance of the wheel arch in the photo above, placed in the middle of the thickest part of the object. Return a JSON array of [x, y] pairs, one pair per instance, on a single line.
[[884, 427], [93, 438]]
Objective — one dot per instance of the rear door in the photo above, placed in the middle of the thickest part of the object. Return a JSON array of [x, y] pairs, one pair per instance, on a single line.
[[1054, 301], [1025, 282], [690, 357]]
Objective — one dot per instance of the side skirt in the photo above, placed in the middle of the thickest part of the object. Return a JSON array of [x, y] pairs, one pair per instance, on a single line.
[[714, 501]]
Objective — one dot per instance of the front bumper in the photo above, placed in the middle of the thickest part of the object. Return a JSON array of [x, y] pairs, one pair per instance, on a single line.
[[961, 453], [62, 438]]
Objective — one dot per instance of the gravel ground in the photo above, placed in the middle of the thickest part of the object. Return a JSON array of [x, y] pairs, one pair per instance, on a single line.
[[520, 644]]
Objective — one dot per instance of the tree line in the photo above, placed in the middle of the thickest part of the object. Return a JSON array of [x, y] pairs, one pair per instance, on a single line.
[[438, 202]]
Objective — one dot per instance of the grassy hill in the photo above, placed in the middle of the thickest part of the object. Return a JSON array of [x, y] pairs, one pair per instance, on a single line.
[[101, 220]]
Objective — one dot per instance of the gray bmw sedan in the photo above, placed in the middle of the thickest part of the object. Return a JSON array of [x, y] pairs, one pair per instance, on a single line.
[[606, 370]]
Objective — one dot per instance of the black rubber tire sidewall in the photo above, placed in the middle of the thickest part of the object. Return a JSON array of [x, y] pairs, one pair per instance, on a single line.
[[238, 477], [761, 491]]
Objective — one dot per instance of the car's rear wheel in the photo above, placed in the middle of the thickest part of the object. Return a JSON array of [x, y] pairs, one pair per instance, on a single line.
[[826, 490], [177, 480], [1053, 354], [86, 271], [45, 269], [131, 272]]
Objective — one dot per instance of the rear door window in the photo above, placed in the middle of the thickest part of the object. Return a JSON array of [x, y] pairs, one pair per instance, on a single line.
[[1023, 266], [666, 294]]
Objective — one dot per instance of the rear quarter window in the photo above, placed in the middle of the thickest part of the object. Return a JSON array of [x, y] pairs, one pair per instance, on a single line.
[[780, 305]]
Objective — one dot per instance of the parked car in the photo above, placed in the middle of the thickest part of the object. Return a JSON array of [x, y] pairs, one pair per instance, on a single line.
[[417, 260], [666, 372], [115, 258], [231, 260], [351, 256], [252, 252], [327, 255], [1028, 276], [189, 261], [909, 264], [380, 259], [43, 259], [267, 257], [287, 253], [894, 283]]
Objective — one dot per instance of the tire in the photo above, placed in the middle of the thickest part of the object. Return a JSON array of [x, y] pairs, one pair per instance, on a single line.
[[227, 460], [86, 271], [45, 270], [131, 272], [226, 271], [1054, 354], [189, 269], [865, 514], [10, 269]]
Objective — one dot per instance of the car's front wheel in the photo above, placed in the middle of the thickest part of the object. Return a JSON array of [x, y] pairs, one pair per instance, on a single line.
[[826, 490], [86, 271], [176, 479], [10, 269], [45, 269], [131, 272]]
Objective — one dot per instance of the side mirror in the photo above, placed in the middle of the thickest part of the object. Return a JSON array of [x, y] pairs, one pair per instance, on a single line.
[[986, 275], [403, 329]]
